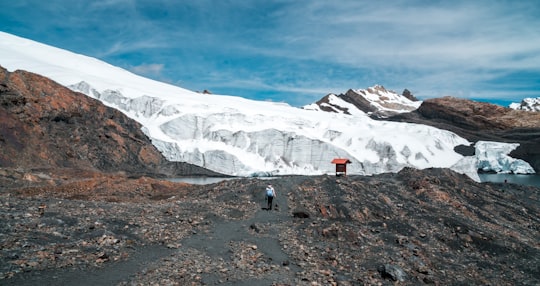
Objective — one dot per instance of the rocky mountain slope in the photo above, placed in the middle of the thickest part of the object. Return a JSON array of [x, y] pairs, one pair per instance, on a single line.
[[482, 121], [375, 101], [47, 126], [429, 227]]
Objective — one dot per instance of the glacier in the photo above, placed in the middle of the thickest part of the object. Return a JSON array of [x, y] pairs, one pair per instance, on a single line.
[[493, 157], [242, 137]]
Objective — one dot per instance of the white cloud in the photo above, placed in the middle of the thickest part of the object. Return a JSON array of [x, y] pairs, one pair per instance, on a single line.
[[148, 69], [421, 36], [450, 47], [433, 47]]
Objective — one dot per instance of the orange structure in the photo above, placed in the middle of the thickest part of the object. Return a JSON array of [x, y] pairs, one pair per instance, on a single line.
[[341, 166]]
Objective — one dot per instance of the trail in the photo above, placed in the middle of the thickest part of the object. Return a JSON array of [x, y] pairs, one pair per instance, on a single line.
[[215, 242]]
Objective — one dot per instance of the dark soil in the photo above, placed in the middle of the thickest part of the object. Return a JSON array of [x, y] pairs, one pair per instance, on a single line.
[[411, 228]]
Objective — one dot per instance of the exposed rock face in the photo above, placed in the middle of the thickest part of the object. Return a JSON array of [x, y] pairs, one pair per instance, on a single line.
[[45, 125], [467, 114], [358, 100], [325, 105], [482, 121], [375, 101], [406, 93]]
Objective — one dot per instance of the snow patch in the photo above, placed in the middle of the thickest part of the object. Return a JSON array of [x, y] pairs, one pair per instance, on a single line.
[[529, 104]]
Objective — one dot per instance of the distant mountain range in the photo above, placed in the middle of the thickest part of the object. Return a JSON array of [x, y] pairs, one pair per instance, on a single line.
[[529, 104], [375, 101], [237, 136]]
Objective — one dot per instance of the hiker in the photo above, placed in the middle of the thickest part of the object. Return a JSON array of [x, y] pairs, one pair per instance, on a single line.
[[270, 194]]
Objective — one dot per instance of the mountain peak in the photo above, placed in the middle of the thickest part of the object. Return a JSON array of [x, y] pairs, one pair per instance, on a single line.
[[529, 104], [375, 101], [377, 88]]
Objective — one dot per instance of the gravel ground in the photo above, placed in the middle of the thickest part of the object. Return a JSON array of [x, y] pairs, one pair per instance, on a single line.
[[412, 228]]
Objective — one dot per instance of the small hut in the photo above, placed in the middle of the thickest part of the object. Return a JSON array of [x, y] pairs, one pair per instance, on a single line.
[[341, 166]]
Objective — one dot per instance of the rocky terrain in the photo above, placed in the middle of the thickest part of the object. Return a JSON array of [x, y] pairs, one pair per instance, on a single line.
[[83, 201], [44, 125], [431, 227], [482, 121]]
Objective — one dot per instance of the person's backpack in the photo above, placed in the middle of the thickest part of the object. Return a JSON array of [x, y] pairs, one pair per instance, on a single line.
[[269, 192]]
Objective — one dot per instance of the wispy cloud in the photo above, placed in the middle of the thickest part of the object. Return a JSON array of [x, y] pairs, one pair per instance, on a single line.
[[296, 49], [148, 69], [428, 36]]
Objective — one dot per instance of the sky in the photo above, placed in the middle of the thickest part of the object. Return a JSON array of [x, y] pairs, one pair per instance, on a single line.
[[298, 51]]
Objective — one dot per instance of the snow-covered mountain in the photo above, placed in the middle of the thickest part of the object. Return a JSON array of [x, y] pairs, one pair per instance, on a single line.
[[375, 101], [237, 136], [529, 104]]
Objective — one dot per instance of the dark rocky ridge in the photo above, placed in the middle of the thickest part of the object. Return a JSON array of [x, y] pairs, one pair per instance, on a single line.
[[44, 125], [407, 94], [482, 121], [358, 99]]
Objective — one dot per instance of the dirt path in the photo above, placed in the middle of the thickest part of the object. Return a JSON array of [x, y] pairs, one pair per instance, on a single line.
[[216, 242], [219, 242]]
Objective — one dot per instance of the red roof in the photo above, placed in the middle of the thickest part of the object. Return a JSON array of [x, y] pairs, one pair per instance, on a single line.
[[341, 161]]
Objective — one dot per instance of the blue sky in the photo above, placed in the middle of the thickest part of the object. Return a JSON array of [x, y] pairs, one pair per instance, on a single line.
[[298, 51]]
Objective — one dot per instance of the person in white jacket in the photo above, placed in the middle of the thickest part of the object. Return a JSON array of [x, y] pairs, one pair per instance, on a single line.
[[270, 194]]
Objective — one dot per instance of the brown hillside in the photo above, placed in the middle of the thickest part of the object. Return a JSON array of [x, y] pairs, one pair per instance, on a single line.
[[44, 125]]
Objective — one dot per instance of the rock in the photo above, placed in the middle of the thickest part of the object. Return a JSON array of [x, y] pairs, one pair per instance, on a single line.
[[428, 280], [300, 214], [254, 227], [173, 245], [393, 272], [285, 263]]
